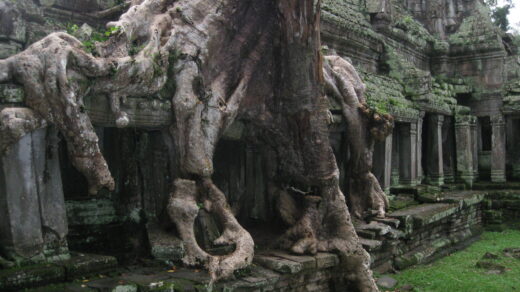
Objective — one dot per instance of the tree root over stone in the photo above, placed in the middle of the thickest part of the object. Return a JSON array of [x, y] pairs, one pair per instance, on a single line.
[[183, 209], [206, 52], [363, 127]]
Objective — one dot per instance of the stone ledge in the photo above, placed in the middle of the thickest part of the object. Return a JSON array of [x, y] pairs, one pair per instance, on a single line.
[[80, 265]]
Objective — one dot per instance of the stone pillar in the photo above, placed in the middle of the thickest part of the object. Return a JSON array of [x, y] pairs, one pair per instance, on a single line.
[[448, 150], [394, 180], [498, 149], [464, 149], [382, 164], [435, 156], [420, 171], [408, 154], [33, 222]]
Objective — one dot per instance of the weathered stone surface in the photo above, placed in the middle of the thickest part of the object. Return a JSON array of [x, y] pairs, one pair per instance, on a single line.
[[35, 224], [164, 245], [491, 267], [278, 264], [513, 252], [386, 282], [83, 265], [17, 279], [307, 262]]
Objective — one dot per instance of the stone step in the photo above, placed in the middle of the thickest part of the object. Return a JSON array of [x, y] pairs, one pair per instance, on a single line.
[[379, 228], [277, 264], [370, 245], [421, 215], [388, 221], [307, 262]]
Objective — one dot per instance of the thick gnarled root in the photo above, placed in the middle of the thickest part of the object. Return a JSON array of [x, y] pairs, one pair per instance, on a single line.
[[301, 238], [183, 209], [325, 225], [367, 197], [340, 236]]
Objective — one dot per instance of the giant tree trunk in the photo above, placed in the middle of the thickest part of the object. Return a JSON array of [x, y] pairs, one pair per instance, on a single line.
[[256, 60]]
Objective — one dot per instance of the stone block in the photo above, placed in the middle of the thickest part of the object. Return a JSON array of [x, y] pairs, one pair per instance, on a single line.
[[20, 278], [164, 245], [307, 262], [81, 265], [21, 234], [9, 48], [278, 264], [370, 245]]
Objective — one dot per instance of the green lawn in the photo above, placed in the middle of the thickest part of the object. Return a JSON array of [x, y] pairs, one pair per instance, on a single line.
[[458, 273]]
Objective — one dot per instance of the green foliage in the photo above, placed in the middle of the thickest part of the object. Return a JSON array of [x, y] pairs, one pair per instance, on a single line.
[[99, 36], [72, 28], [240, 273], [135, 49], [499, 16], [459, 273], [170, 87]]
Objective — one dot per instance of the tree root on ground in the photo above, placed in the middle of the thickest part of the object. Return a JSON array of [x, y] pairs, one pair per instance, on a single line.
[[183, 209]]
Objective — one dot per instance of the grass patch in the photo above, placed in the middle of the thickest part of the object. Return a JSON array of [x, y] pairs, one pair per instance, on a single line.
[[458, 272]]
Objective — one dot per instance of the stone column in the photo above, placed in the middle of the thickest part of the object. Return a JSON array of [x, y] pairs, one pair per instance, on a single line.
[[382, 164], [394, 180], [420, 171], [464, 149], [498, 149], [33, 222], [408, 154], [448, 150], [434, 148], [387, 174]]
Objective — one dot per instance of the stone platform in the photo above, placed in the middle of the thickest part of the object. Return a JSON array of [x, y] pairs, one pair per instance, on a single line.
[[271, 271], [418, 234]]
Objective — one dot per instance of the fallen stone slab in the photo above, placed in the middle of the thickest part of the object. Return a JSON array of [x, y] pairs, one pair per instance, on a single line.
[[512, 252], [490, 256], [386, 282], [489, 266]]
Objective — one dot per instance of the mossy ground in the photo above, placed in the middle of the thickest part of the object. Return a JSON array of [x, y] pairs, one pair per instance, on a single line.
[[459, 273]]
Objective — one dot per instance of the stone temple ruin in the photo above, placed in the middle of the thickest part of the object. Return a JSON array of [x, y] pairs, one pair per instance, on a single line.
[[451, 166]]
